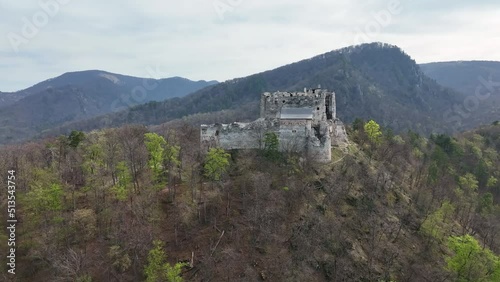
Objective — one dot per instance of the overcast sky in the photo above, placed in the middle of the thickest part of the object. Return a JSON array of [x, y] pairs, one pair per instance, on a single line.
[[224, 39]]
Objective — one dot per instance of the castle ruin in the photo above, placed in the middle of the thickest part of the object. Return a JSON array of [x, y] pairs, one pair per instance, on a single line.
[[304, 122]]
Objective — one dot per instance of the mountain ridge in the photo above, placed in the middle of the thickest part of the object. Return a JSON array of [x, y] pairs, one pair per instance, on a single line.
[[75, 96], [463, 76], [75, 77], [479, 81], [372, 81]]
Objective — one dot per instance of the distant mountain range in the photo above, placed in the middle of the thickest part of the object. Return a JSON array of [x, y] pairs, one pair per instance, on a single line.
[[463, 76], [372, 81], [81, 95], [479, 81]]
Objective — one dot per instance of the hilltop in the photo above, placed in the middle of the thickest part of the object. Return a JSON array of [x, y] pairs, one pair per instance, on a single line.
[[81, 95], [375, 80]]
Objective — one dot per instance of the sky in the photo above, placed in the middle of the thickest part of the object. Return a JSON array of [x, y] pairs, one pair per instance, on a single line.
[[226, 39]]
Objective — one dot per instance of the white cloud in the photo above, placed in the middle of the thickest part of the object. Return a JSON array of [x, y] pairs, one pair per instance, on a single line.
[[188, 38]]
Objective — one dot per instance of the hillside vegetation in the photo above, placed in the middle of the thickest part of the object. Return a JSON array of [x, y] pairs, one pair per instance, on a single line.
[[128, 204]]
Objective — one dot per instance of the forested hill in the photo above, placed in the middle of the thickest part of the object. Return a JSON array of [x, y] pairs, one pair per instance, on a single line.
[[80, 95], [464, 76], [478, 80], [158, 89], [126, 204], [373, 80]]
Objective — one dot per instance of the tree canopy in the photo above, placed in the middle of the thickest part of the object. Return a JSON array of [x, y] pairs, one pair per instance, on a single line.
[[216, 163], [372, 129], [470, 261]]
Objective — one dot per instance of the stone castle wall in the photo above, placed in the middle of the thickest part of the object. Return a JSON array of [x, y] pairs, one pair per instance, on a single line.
[[310, 129], [272, 103]]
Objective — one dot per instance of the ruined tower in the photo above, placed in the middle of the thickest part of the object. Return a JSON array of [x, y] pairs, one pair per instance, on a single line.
[[303, 121]]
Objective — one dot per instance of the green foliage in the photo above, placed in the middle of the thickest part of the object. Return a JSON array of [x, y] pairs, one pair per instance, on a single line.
[[492, 182], [358, 124], [171, 156], [468, 182], [373, 132], [433, 173], [75, 138], [216, 163], [467, 197], [84, 222], [449, 146], [49, 198], [124, 179], [93, 159], [158, 269], [271, 141], [398, 140], [155, 145], [470, 261], [293, 165], [84, 278], [156, 263], [271, 146], [46, 194], [388, 134], [440, 158], [93, 165], [476, 151], [120, 259], [174, 272], [485, 204], [162, 155], [439, 224], [415, 138], [482, 173], [491, 155]]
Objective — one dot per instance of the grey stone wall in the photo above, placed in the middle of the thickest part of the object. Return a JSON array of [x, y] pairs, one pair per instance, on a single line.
[[293, 135], [271, 103], [311, 135], [244, 139], [235, 135]]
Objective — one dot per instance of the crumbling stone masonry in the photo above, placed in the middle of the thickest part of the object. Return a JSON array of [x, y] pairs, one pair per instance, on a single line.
[[303, 121]]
